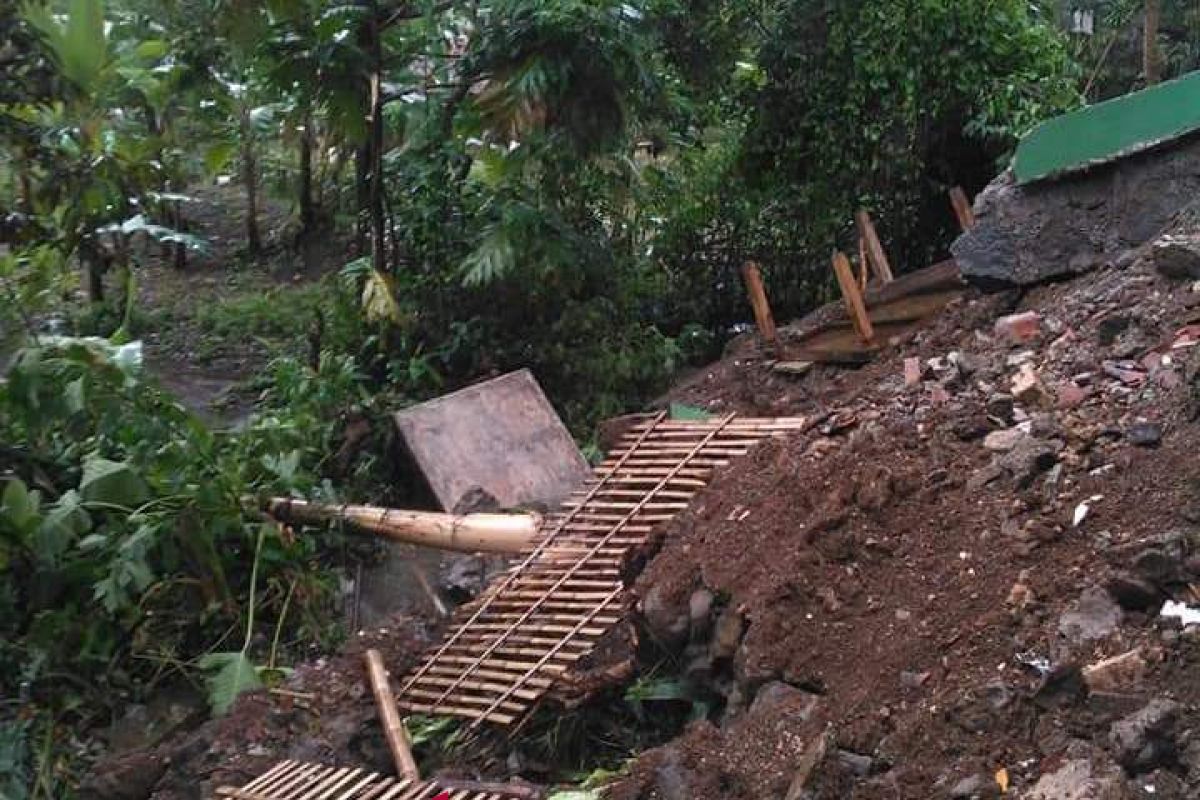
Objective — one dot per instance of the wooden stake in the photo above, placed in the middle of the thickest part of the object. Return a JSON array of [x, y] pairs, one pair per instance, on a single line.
[[393, 728], [962, 209], [758, 299], [863, 267], [854, 299], [879, 260]]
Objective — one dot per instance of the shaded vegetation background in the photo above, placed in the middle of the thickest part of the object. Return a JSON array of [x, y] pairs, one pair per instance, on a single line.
[[472, 187]]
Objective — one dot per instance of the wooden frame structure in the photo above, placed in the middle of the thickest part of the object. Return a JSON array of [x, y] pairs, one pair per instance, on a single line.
[[297, 780]]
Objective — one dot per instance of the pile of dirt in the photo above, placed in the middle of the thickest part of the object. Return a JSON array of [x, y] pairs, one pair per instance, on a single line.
[[918, 597]]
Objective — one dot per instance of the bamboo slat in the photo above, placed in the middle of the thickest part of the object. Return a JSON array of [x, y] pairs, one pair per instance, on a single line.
[[509, 646]]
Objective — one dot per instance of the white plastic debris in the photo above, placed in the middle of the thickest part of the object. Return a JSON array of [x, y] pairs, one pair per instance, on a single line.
[[1186, 614], [1084, 508]]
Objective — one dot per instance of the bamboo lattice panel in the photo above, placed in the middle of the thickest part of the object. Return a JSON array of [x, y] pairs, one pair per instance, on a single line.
[[505, 649], [296, 780]]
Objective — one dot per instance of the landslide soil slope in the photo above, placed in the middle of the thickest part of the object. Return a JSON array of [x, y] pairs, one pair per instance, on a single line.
[[903, 598]]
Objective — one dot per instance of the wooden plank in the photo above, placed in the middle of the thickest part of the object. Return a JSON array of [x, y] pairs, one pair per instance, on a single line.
[[854, 300], [962, 209], [875, 252], [758, 301], [501, 436]]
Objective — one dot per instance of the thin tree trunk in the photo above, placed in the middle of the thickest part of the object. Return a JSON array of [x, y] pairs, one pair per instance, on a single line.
[[91, 262], [250, 181], [1151, 66], [307, 210], [26, 183], [180, 253], [378, 231], [362, 195]]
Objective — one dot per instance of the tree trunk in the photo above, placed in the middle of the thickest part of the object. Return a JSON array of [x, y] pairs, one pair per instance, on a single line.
[[250, 181], [92, 263], [180, 252], [362, 195], [378, 231], [307, 210], [26, 183], [1151, 66]]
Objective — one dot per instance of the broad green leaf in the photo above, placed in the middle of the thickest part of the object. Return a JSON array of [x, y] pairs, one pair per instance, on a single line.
[[113, 482], [152, 49], [230, 674], [20, 506], [379, 299], [686, 412], [65, 522]]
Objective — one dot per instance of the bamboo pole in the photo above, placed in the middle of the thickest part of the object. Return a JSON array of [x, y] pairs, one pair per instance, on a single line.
[[758, 299], [1151, 63], [469, 533], [389, 717]]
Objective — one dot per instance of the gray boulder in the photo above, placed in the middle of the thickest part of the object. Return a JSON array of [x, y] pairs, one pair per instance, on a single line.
[[1058, 228]]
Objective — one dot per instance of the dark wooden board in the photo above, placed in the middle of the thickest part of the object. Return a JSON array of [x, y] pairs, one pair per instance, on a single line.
[[501, 436]]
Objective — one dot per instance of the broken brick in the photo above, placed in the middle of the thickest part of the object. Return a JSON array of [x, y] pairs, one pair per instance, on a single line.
[[1118, 672], [912, 372], [1027, 388], [1019, 328]]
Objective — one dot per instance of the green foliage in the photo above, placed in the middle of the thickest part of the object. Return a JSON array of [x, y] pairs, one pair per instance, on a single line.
[[123, 536]]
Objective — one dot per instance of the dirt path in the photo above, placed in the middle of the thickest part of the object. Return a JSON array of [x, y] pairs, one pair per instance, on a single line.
[[212, 327]]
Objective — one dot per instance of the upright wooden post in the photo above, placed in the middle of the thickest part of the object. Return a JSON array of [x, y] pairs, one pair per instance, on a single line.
[[1151, 66], [863, 266], [962, 208], [853, 297], [389, 717], [758, 299], [879, 260]]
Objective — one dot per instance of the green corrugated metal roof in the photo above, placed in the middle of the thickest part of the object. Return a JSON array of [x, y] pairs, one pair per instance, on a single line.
[[1110, 130]]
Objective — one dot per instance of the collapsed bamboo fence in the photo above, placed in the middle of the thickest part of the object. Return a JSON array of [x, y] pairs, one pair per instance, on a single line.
[[503, 651], [296, 780]]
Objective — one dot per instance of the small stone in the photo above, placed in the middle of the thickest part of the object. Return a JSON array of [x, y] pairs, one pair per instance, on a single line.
[[1111, 327], [857, 763], [1001, 407], [1119, 672], [1177, 257], [1081, 779], [1003, 440], [1133, 593], [1019, 328], [1029, 458], [1027, 388], [1093, 617], [903, 614], [912, 372], [1144, 434], [1045, 426], [1070, 396], [700, 610], [1144, 739], [913, 680], [975, 787], [727, 635]]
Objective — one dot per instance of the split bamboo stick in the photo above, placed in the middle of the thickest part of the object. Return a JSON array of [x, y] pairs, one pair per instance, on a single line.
[[467, 533], [389, 717]]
